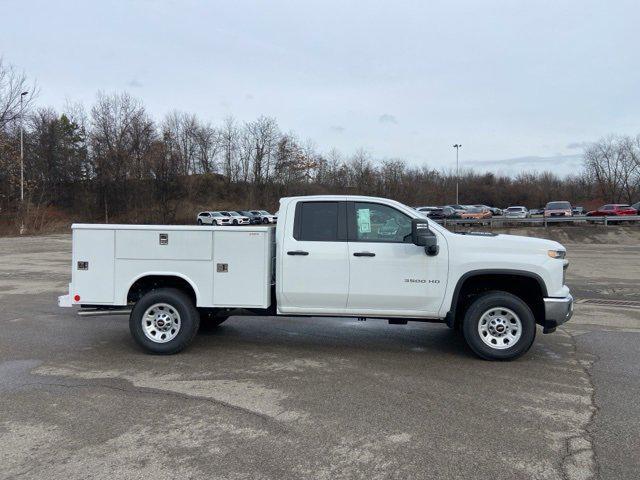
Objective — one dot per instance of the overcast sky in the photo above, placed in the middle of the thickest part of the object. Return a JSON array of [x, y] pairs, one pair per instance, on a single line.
[[521, 84]]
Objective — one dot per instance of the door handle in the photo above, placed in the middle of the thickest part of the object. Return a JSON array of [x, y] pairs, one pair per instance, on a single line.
[[364, 254], [297, 252]]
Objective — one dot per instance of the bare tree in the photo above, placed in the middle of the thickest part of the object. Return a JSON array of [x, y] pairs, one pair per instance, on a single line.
[[12, 84], [612, 163]]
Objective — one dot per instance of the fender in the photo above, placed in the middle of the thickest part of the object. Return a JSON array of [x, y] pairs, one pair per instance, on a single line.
[[163, 274], [451, 315]]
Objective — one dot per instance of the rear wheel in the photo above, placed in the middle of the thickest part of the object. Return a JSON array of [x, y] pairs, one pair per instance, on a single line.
[[199, 222], [164, 321], [499, 326]]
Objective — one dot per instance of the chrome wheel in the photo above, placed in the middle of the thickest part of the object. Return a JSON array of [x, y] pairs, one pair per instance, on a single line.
[[161, 323], [500, 328]]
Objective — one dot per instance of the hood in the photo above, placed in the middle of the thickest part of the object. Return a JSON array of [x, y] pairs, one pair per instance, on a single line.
[[507, 243]]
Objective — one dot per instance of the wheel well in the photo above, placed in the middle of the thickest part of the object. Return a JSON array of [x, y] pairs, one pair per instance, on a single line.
[[525, 287], [152, 282]]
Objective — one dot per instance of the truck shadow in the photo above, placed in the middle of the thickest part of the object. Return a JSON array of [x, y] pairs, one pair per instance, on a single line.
[[325, 333]]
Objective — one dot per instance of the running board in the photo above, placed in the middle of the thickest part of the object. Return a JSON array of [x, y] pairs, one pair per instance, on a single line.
[[97, 313]]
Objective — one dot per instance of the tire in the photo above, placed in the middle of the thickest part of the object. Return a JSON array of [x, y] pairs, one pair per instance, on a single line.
[[199, 222], [495, 343], [265, 220], [154, 315], [235, 222]]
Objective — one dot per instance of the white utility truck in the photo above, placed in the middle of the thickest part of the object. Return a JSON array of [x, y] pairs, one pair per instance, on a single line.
[[335, 256]]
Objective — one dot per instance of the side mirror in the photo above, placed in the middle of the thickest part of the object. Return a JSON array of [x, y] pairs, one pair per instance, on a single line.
[[423, 237]]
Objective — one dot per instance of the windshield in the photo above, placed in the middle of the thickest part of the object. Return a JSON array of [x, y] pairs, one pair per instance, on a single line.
[[235, 214], [216, 214], [558, 206], [264, 212], [475, 210], [515, 209]]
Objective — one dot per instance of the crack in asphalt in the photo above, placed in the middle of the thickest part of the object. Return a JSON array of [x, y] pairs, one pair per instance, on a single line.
[[586, 433]]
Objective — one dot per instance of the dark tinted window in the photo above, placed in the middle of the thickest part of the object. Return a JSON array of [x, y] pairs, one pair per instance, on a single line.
[[318, 222], [558, 206]]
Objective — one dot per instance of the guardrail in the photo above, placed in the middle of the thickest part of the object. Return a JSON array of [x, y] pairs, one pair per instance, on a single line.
[[502, 221]]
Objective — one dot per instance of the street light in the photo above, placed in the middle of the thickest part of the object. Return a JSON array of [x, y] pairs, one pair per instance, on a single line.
[[457, 147], [22, 165]]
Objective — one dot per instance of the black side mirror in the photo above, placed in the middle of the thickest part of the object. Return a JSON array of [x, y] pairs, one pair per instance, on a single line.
[[423, 237]]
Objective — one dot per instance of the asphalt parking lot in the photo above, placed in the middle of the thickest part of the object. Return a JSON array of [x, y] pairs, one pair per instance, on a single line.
[[314, 398]]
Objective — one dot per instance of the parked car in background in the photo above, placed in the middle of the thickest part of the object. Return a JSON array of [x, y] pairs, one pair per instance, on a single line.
[[266, 216], [236, 218], [578, 211], [459, 209], [517, 212], [493, 210], [212, 218], [536, 211], [427, 211], [451, 213], [477, 213], [558, 209], [253, 218], [440, 213], [613, 210]]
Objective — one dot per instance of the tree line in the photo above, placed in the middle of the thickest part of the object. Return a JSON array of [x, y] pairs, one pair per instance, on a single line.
[[112, 162]]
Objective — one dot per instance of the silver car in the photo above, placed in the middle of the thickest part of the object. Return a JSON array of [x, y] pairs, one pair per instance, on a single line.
[[212, 218], [236, 218], [517, 212]]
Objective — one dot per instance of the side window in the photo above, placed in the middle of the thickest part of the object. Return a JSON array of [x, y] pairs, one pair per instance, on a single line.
[[375, 222], [317, 222]]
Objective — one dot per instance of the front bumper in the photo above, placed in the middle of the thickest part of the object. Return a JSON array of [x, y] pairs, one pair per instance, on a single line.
[[556, 312]]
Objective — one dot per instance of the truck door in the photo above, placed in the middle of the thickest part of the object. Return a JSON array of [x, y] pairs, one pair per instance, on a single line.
[[389, 275], [315, 264]]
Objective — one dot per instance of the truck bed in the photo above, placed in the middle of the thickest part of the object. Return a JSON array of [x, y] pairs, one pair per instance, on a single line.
[[226, 266]]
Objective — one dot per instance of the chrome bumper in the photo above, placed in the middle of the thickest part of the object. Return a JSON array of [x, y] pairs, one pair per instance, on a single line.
[[557, 311]]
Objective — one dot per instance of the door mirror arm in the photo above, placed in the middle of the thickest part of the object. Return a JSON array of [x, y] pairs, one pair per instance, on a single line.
[[432, 250]]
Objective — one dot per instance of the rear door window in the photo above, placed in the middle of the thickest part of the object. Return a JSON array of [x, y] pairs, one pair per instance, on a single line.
[[320, 222]]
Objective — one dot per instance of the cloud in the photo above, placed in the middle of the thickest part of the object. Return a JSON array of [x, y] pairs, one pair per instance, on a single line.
[[134, 83], [559, 164], [532, 161], [388, 118], [337, 128], [578, 145]]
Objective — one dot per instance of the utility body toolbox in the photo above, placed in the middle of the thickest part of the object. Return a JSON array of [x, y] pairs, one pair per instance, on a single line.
[[225, 266]]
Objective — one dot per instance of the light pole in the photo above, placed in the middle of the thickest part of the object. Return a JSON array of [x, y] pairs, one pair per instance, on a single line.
[[457, 147], [21, 165]]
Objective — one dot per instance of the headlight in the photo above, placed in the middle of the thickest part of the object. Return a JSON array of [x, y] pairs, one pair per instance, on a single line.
[[557, 253]]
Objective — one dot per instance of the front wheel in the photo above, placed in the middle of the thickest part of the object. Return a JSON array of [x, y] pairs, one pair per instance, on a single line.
[[499, 326], [199, 222], [164, 321]]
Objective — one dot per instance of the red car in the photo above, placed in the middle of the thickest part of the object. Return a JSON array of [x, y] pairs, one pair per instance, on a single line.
[[613, 209]]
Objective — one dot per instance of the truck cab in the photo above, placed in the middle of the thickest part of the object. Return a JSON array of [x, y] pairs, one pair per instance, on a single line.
[[338, 256]]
